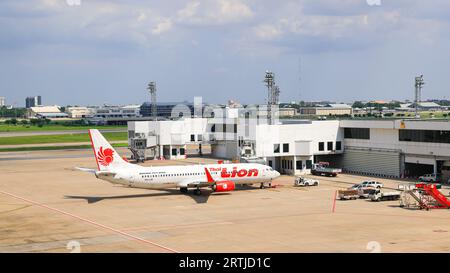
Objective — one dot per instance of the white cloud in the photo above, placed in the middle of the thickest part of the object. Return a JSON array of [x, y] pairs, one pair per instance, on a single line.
[[214, 12], [283, 24], [164, 25], [268, 32], [312, 26]]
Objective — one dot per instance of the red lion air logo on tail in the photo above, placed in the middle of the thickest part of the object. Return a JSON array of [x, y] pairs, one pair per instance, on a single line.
[[105, 157]]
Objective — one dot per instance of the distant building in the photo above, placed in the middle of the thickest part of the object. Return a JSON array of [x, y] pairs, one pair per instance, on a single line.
[[79, 112], [287, 112], [49, 112], [404, 107], [422, 106], [327, 110], [30, 102], [378, 102], [427, 106], [2, 101], [114, 115], [234, 104], [164, 109], [33, 101], [128, 111]]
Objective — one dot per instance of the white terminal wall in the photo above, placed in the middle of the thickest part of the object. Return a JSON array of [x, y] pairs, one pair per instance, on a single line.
[[303, 139], [171, 132]]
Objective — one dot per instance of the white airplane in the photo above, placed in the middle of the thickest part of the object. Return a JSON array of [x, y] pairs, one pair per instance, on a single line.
[[218, 177]]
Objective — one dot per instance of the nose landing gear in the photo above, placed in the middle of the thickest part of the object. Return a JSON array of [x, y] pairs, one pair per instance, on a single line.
[[262, 186]]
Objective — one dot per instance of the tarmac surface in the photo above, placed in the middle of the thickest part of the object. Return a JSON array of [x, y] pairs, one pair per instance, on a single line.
[[47, 206]]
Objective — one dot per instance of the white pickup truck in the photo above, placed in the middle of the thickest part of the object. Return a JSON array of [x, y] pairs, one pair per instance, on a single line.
[[371, 183]]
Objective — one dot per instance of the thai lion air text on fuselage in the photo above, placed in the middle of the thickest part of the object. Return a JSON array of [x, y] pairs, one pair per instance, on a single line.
[[224, 173]]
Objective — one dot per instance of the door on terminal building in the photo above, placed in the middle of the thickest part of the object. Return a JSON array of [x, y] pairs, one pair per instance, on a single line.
[[413, 170], [277, 164], [166, 152], [445, 171], [299, 165], [308, 164], [270, 163], [439, 164]]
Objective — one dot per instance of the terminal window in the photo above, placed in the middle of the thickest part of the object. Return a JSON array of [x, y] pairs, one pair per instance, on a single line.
[[357, 133], [182, 151], [321, 146], [276, 148], [330, 146], [433, 136], [286, 148], [338, 145]]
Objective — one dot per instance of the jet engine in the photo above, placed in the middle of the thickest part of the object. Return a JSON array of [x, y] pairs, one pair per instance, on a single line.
[[223, 186]]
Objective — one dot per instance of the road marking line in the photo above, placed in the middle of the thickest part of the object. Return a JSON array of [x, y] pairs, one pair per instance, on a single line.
[[90, 222]]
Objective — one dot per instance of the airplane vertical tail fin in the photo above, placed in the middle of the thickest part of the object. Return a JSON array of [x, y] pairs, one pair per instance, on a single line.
[[106, 157]]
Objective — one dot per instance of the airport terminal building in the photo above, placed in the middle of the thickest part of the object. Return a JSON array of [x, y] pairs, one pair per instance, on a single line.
[[396, 148], [389, 148]]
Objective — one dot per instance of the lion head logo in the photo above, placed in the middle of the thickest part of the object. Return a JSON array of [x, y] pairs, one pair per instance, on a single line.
[[105, 157]]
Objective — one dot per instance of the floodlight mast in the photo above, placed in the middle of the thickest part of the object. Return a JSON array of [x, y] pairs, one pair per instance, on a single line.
[[273, 94], [418, 93], [151, 87]]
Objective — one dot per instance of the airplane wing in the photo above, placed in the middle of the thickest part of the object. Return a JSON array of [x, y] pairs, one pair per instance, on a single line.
[[86, 170], [193, 184], [98, 174]]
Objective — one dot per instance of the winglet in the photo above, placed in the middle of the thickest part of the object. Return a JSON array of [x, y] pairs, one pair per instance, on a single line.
[[208, 176]]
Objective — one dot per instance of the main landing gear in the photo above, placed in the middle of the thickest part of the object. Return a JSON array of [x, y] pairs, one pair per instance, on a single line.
[[197, 191]]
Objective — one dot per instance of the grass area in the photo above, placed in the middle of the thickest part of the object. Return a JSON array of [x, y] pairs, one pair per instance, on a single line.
[[46, 148], [52, 127], [439, 115], [65, 138]]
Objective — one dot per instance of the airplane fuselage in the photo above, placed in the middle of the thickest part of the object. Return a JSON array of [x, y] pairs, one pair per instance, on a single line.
[[174, 176]]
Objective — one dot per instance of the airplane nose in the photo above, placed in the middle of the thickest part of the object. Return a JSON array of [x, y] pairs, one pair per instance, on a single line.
[[277, 174]]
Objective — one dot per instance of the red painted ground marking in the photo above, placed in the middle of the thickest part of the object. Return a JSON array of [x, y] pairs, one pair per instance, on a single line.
[[334, 202]]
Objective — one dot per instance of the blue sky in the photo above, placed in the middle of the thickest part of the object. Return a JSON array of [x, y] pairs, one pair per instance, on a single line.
[[106, 51]]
